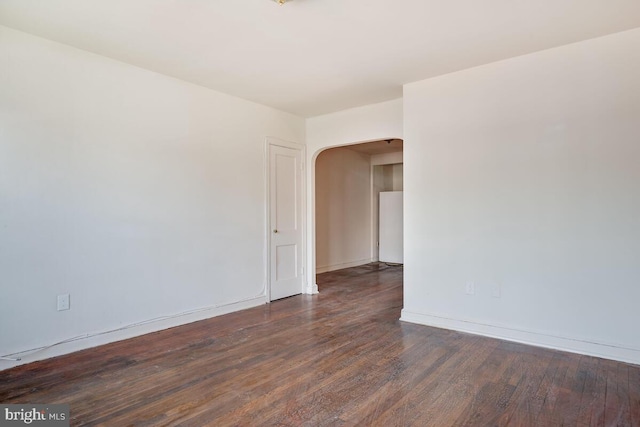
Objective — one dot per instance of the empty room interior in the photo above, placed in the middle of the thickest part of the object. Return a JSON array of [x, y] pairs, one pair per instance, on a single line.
[[315, 212]]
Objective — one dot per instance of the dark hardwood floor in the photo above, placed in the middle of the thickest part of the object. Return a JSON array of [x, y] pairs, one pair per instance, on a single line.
[[338, 358]]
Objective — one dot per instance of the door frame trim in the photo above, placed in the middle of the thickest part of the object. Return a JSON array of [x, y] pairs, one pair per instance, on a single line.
[[274, 141]]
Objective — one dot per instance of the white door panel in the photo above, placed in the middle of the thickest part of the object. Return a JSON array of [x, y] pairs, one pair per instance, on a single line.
[[285, 204]]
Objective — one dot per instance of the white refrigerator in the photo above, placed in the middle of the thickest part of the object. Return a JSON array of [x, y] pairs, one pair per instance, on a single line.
[[390, 233]]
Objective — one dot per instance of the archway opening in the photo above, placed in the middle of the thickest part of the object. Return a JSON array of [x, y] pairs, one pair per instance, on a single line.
[[348, 182]]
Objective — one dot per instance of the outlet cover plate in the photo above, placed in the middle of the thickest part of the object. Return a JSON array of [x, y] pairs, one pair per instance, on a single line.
[[64, 302], [470, 288]]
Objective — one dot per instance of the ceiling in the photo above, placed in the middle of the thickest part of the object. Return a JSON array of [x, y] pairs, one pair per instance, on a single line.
[[311, 57], [377, 147]]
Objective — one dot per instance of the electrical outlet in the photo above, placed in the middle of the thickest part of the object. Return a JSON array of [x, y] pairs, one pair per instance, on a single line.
[[64, 302], [471, 288]]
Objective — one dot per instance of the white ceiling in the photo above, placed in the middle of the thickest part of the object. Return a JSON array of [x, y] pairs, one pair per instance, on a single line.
[[377, 147], [311, 57]]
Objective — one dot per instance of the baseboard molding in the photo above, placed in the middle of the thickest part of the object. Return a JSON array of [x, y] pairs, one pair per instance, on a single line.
[[100, 338], [606, 351], [333, 267], [312, 289]]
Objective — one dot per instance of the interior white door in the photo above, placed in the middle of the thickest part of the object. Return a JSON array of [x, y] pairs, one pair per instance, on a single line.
[[285, 205]]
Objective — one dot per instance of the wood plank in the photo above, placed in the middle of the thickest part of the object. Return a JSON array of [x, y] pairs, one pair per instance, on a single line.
[[634, 395], [616, 410]]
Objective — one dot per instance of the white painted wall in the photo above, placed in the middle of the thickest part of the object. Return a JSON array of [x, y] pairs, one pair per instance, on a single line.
[[343, 209], [391, 229], [525, 174], [140, 195], [363, 124], [398, 176], [387, 158]]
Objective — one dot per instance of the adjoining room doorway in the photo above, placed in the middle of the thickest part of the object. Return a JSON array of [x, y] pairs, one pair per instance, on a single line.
[[348, 182]]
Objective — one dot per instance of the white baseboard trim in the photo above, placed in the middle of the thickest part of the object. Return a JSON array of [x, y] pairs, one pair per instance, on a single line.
[[312, 289], [333, 267], [606, 351], [100, 338]]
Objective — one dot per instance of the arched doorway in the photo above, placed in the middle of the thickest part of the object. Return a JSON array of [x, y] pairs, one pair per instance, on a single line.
[[348, 181]]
